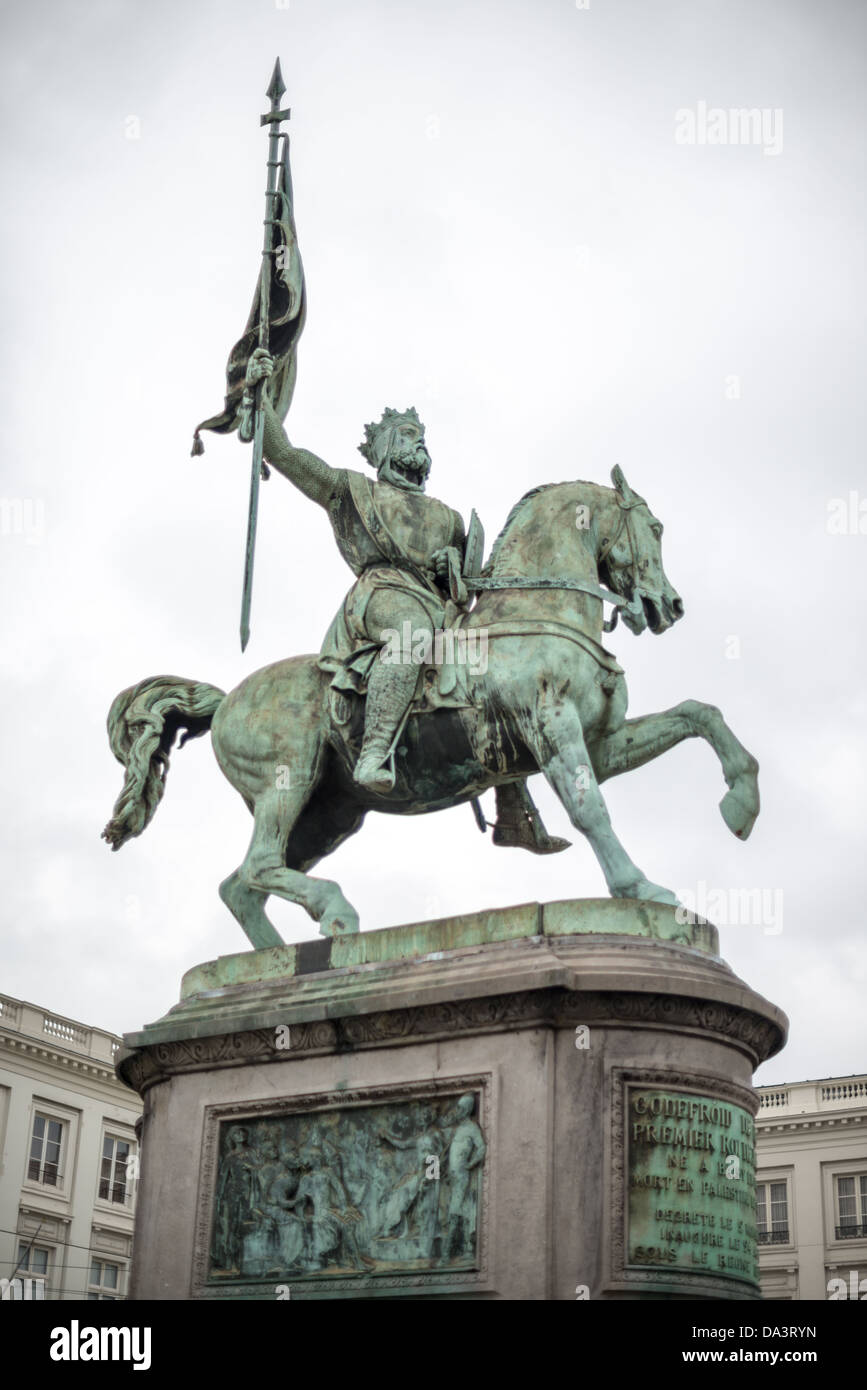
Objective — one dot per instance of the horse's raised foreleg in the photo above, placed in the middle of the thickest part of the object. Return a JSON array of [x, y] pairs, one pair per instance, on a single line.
[[639, 741], [264, 872], [556, 739]]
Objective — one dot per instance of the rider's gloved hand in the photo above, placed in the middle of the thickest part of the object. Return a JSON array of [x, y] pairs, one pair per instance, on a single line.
[[260, 364], [440, 561], [259, 368]]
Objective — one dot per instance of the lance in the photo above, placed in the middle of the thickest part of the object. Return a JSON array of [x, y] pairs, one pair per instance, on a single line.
[[275, 91]]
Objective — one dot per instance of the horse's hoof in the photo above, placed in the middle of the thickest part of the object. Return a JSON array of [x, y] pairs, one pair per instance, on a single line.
[[740, 807], [340, 924], [662, 895], [645, 892]]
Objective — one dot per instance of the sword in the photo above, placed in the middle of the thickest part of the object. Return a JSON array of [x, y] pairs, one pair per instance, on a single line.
[[275, 91]]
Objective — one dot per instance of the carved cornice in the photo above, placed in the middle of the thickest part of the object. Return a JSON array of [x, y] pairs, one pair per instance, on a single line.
[[778, 1125], [748, 1031], [44, 1052]]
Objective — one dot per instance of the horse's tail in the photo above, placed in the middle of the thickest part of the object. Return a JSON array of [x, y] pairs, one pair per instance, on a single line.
[[142, 725]]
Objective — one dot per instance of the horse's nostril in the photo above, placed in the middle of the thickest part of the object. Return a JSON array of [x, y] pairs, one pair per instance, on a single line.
[[677, 607]]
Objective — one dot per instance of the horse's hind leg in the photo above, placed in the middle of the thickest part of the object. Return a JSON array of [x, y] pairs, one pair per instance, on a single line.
[[264, 871], [247, 906], [557, 741]]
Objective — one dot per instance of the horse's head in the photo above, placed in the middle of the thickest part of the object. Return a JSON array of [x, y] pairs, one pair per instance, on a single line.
[[630, 561]]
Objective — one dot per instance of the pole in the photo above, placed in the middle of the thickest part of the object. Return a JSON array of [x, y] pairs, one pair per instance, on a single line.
[[275, 91]]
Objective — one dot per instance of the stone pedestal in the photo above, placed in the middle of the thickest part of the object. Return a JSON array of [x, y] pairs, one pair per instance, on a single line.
[[542, 1102]]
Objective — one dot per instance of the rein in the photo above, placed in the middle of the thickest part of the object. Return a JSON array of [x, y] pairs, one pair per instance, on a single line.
[[476, 582]]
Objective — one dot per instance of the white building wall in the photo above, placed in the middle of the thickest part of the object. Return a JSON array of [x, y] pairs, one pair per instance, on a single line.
[[808, 1134], [64, 1069]]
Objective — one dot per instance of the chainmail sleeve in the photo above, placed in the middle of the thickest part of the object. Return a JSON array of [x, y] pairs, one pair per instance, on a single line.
[[311, 474]]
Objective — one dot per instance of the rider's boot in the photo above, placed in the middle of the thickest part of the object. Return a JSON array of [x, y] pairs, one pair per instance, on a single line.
[[390, 689], [519, 823]]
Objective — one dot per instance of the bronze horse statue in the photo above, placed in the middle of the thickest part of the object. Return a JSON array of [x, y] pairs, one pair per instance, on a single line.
[[551, 699]]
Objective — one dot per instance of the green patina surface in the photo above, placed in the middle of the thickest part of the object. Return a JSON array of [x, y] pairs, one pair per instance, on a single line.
[[426, 938], [691, 1198], [246, 967], [584, 917]]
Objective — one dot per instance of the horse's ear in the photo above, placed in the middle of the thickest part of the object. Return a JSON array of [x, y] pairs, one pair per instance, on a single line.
[[619, 480]]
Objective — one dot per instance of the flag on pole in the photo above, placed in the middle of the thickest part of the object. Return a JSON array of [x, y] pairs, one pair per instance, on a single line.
[[287, 313]]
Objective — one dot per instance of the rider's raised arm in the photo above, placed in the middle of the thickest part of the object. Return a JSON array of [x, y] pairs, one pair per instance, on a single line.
[[316, 479]]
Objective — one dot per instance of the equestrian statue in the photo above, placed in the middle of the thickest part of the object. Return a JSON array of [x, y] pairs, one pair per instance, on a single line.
[[441, 676]]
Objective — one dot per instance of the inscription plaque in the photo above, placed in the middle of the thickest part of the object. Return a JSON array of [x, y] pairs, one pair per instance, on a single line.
[[691, 1199], [361, 1189]]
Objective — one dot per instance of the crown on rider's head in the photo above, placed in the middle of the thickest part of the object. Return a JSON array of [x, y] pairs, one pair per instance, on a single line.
[[375, 435]]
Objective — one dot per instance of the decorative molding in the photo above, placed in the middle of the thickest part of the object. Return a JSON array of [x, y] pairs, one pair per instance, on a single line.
[[778, 1124], [106, 1241], [49, 1226], [310, 1286], [750, 1032], [71, 1061]]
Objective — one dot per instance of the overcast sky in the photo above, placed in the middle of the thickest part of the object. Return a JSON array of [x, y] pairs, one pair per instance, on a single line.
[[500, 227]]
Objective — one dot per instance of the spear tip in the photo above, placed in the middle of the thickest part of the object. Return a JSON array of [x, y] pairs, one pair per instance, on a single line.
[[277, 86]]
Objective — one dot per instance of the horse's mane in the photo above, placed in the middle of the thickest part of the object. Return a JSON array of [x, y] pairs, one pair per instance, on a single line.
[[534, 492]]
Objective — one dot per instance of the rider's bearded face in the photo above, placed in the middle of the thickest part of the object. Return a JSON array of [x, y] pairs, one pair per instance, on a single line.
[[407, 463]]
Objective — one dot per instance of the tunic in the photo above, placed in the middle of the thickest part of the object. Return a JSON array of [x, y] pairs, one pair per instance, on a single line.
[[386, 535]]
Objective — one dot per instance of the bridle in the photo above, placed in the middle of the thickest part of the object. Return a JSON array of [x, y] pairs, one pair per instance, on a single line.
[[625, 508], [477, 582]]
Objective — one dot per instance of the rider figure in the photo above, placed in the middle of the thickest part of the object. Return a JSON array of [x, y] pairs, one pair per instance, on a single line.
[[401, 545]]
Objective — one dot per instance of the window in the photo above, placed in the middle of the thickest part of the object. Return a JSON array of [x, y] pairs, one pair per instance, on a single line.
[[772, 1213], [851, 1206], [104, 1283], [112, 1173], [45, 1149], [32, 1263]]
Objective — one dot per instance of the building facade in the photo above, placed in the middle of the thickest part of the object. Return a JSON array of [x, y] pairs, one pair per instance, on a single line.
[[811, 1172], [68, 1156]]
